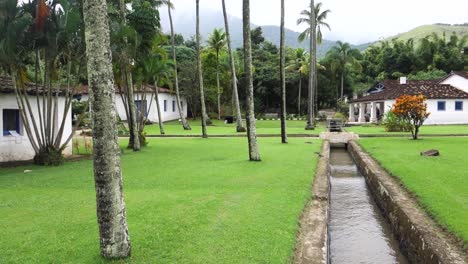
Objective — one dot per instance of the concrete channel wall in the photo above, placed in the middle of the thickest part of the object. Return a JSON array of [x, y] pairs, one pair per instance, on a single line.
[[421, 240], [312, 239]]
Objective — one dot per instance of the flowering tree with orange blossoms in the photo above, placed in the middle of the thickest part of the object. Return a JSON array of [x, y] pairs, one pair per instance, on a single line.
[[412, 109]]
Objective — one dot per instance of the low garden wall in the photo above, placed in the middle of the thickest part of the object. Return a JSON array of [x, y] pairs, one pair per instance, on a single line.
[[421, 240], [312, 241]]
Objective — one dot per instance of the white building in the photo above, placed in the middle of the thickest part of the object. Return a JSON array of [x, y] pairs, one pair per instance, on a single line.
[[458, 79], [447, 99], [14, 142], [167, 103]]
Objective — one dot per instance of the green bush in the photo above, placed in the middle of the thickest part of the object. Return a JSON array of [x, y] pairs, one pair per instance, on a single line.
[[49, 156], [343, 108], [393, 123]]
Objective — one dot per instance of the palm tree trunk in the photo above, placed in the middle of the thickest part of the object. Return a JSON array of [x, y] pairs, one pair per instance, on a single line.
[[310, 100], [218, 85], [185, 124], [254, 154], [240, 127], [316, 92], [299, 95], [156, 97], [284, 135], [134, 141], [204, 115], [111, 213], [342, 84]]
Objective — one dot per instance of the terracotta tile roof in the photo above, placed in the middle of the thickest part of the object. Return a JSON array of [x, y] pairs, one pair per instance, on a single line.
[[463, 74], [430, 89], [6, 86], [84, 89]]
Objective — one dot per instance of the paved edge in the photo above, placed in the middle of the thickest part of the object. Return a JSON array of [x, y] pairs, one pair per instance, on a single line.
[[421, 239], [312, 238], [232, 136]]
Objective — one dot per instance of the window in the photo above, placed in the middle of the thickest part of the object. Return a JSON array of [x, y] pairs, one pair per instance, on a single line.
[[11, 121], [458, 105], [441, 106], [165, 105], [142, 105], [173, 106]]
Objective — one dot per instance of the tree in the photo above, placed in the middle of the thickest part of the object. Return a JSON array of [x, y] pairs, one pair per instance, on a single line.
[[204, 115], [320, 22], [185, 124], [55, 37], [320, 17], [157, 68], [217, 41], [254, 154], [111, 212], [343, 55], [299, 64], [232, 63], [413, 110], [312, 62], [284, 135], [134, 141]]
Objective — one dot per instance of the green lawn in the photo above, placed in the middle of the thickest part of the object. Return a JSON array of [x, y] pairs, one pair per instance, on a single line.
[[188, 201], [428, 130], [440, 183], [220, 128]]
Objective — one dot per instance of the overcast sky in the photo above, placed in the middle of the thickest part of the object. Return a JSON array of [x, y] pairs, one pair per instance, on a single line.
[[355, 21]]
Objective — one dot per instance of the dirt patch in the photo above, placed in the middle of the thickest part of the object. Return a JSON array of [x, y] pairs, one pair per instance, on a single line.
[[421, 239], [312, 239]]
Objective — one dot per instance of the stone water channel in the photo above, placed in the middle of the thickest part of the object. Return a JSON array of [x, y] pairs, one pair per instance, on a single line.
[[358, 233]]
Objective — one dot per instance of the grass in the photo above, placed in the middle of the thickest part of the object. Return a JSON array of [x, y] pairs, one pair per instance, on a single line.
[[220, 128], [440, 183], [188, 201], [424, 130]]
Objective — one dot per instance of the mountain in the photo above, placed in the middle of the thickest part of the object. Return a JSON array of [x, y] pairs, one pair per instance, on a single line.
[[422, 31], [185, 24]]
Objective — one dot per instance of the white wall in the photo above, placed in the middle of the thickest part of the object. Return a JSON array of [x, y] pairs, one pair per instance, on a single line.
[[167, 115], [449, 116], [19, 148], [458, 82]]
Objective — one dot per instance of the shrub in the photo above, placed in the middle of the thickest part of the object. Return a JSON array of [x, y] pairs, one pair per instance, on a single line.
[[49, 156], [394, 123], [413, 110]]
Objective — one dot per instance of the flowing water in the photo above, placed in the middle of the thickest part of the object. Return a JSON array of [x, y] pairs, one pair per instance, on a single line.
[[358, 231]]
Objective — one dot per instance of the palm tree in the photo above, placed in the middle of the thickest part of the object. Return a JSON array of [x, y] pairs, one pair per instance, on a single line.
[[204, 115], [284, 135], [320, 22], [314, 29], [312, 62], [217, 42], [134, 141], [235, 94], [185, 124], [158, 68], [111, 213], [299, 64], [254, 154], [343, 55]]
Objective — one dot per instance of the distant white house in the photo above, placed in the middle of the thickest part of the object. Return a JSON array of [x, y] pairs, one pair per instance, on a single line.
[[14, 142], [447, 99], [458, 79], [167, 103]]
